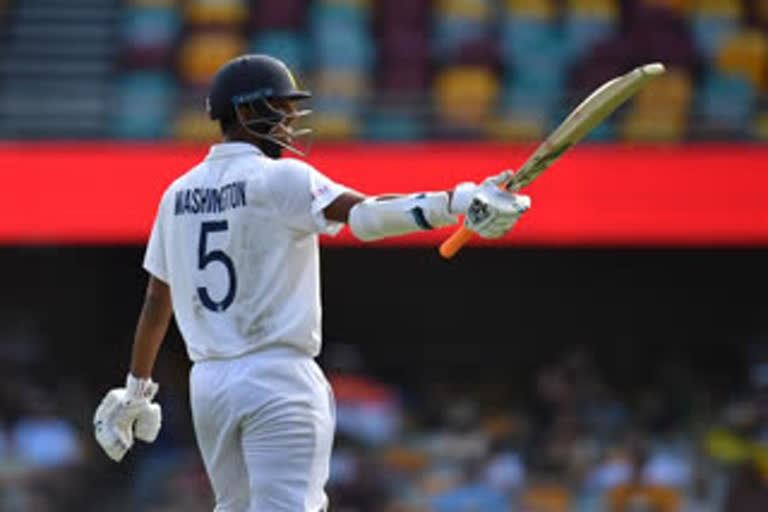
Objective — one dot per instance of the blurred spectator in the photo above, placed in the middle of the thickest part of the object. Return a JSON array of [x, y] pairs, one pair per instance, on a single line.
[[365, 409], [640, 495], [42, 455], [473, 493]]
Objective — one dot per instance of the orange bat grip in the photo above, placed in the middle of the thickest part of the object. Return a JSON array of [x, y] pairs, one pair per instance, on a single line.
[[455, 242]]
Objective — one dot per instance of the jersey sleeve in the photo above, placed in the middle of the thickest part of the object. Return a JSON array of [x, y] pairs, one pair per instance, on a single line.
[[300, 193], [154, 257]]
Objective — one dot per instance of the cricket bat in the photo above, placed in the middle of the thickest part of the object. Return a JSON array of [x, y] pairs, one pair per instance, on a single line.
[[588, 114]]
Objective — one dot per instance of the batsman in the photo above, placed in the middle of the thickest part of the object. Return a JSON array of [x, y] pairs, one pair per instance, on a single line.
[[233, 255]]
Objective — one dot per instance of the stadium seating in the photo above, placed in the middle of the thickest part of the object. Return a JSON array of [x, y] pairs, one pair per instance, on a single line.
[[542, 9], [725, 106], [151, 3], [340, 39], [342, 53], [712, 21], [402, 60], [459, 24], [680, 6], [289, 16], [215, 12], [465, 98], [202, 53], [534, 54], [745, 54], [660, 112], [192, 124], [388, 123], [148, 35], [284, 44], [377, 68], [372, 65], [588, 22], [760, 128], [143, 106]]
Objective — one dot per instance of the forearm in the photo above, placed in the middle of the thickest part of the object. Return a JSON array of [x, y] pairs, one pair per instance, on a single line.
[[151, 328], [386, 215]]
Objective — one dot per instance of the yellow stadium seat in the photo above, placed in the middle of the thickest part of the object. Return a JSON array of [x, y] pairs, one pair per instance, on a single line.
[[595, 8], [465, 95], [745, 54], [517, 128], [218, 12], [473, 9], [539, 9], [660, 111], [335, 126], [201, 55], [194, 125], [718, 8], [760, 130], [346, 83]]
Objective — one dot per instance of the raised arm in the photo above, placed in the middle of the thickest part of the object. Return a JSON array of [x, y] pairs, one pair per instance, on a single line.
[[491, 211]]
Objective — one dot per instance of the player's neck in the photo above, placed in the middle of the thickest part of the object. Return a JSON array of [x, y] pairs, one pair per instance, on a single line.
[[239, 136], [269, 149]]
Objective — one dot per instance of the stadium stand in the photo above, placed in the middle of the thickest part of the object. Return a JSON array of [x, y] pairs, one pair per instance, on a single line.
[[660, 112], [712, 21], [56, 68], [383, 70], [342, 53], [745, 54], [465, 98]]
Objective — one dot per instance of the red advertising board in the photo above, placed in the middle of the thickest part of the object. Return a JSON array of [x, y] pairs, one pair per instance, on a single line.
[[700, 195]]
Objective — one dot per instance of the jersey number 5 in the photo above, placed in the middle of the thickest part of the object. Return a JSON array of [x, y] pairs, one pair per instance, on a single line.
[[204, 258]]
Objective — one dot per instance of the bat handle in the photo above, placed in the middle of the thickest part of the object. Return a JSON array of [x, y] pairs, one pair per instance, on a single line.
[[455, 242]]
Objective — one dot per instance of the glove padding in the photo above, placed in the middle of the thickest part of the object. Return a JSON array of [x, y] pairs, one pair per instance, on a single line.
[[494, 211], [125, 413]]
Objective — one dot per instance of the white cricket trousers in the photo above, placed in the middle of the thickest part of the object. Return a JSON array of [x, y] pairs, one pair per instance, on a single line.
[[264, 424]]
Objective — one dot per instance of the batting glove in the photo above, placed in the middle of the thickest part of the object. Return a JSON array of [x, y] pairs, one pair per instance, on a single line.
[[490, 210], [125, 413], [493, 211]]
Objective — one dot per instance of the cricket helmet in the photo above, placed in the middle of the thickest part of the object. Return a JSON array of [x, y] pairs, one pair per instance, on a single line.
[[258, 82]]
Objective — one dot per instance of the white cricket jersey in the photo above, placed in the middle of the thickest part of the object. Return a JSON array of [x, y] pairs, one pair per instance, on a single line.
[[236, 240]]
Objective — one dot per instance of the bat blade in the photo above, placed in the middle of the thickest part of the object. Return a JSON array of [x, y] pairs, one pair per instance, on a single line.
[[588, 114]]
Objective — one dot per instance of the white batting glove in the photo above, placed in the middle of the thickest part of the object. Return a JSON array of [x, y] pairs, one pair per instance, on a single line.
[[125, 413], [491, 212]]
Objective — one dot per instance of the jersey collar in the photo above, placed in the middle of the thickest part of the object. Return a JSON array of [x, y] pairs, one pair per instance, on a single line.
[[227, 149]]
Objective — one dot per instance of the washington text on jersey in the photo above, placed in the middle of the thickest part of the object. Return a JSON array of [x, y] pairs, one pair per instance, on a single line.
[[210, 200]]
